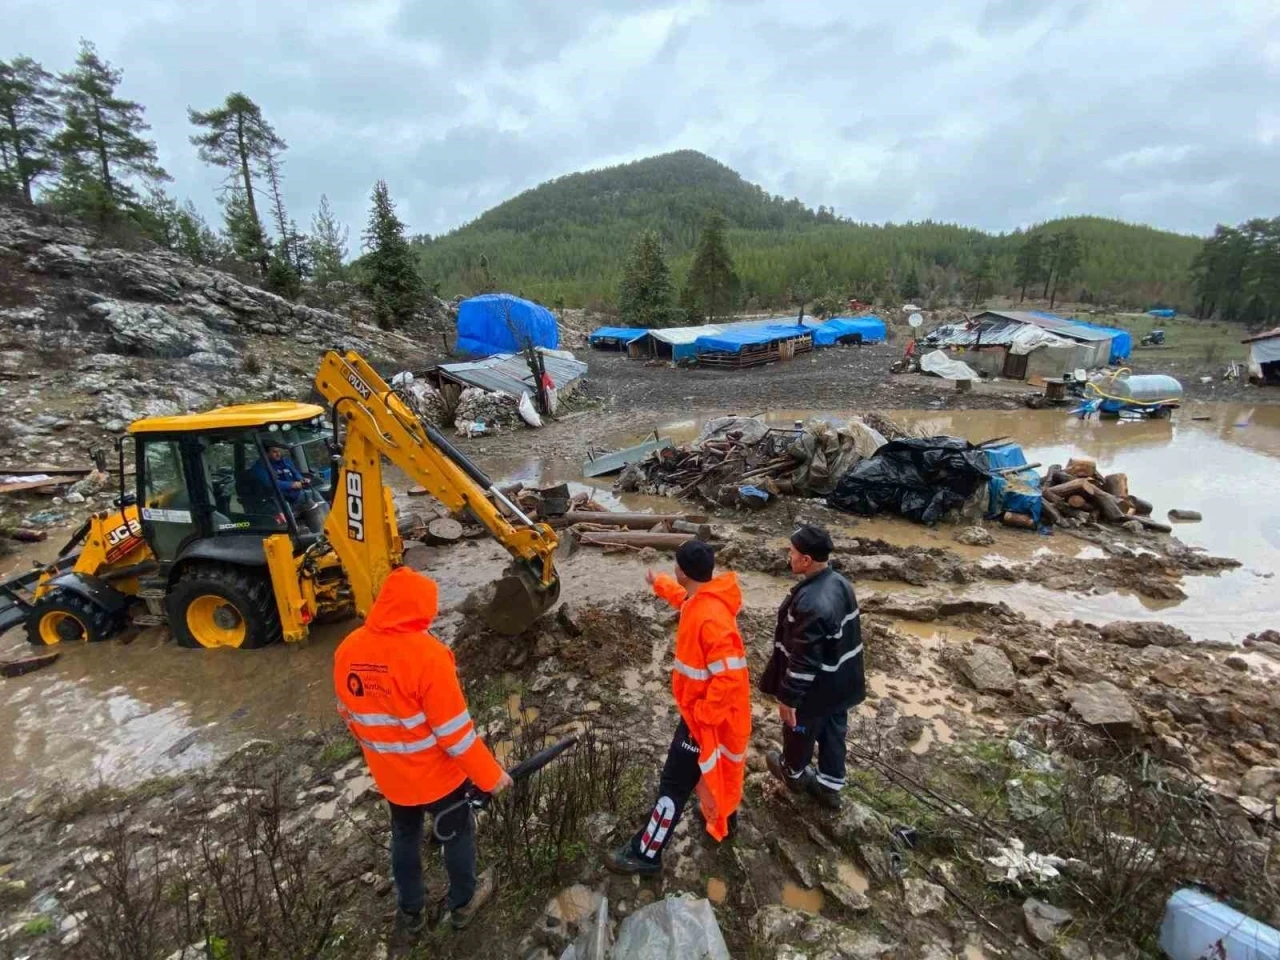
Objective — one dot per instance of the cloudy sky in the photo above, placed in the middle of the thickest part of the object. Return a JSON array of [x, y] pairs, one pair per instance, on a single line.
[[995, 113]]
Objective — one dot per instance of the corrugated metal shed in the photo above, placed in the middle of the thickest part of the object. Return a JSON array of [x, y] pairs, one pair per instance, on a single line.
[[1048, 321], [508, 373], [995, 331], [674, 335]]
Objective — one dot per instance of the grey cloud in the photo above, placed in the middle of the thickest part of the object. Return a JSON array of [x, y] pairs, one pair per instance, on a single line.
[[994, 114]]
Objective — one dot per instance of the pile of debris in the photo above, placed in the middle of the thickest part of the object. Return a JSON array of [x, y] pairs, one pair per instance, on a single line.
[[740, 461], [481, 411], [590, 524], [1079, 493]]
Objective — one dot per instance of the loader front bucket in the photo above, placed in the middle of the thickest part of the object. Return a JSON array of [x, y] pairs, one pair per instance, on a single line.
[[518, 599]]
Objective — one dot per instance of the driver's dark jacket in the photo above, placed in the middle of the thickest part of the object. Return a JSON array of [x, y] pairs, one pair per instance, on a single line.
[[817, 662]]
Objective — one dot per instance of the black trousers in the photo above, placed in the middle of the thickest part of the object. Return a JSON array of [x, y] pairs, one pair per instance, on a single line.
[[459, 851], [828, 734], [680, 775]]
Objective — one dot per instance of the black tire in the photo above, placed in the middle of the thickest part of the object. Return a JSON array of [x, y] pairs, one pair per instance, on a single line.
[[246, 597], [79, 619]]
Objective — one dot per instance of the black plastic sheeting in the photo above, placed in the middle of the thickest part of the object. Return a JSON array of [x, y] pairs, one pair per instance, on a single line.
[[919, 478]]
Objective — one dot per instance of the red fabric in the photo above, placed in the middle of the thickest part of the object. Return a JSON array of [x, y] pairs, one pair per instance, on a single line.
[[712, 689], [398, 690]]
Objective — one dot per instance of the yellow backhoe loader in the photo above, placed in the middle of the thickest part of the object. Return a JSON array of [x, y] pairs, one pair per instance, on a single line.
[[250, 522]]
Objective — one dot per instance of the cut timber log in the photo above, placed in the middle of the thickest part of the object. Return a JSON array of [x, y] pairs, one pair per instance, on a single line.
[[1116, 484], [638, 520], [443, 530], [23, 535], [16, 668], [1143, 507], [1077, 502], [1076, 485], [635, 538], [1107, 505], [1049, 513], [700, 530], [1082, 467], [1155, 525], [1011, 519]]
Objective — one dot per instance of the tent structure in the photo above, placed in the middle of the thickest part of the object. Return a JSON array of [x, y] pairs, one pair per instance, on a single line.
[[614, 338], [1163, 313], [1023, 344], [1264, 356], [869, 329], [752, 346], [501, 323], [669, 343], [1121, 340]]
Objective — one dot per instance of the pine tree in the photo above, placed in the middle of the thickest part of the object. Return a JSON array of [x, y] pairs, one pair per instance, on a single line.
[[28, 119], [243, 229], [1067, 256], [391, 276], [712, 283], [910, 289], [240, 141], [100, 146], [281, 276], [1029, 263], [195, 240], [981, 279], [645, 294], [328, 245], [157, 215]]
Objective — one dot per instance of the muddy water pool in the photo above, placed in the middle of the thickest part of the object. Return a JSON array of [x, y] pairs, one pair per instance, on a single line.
[[120, 713]]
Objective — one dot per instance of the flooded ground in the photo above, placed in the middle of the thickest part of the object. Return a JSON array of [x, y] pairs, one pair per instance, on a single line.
[[119, 713]]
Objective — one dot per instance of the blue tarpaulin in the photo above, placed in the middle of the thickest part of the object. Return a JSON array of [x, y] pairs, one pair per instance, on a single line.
[[733, 341], [870, 328], [1121, 341], [501, 323], [1018, 491], [623, 335], [1164, 313]]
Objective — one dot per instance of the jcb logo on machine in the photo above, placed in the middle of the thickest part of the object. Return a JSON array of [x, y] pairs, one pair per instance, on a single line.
[[362, 388], [355, 505], [123, 539]]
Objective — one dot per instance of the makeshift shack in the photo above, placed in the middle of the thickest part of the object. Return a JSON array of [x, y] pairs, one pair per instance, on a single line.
[[614, 338], [669, 343], [1022, 344], [1121, 341], [506, 373], [753, 346], [840, 330], [496, 323], [1264, 356]]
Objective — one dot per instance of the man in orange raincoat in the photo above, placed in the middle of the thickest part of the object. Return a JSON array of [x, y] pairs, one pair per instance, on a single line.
[[398, 691], [713, 694]]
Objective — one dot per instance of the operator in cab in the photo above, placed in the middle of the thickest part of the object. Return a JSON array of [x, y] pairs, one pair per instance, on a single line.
[[279, 471], [399, 693]]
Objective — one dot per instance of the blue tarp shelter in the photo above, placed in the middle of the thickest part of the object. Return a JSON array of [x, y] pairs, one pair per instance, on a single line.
[[501, 323], [870, 328], [1121, 341], [734, 341], [1017, 491], [1164, 313], [615, 336]]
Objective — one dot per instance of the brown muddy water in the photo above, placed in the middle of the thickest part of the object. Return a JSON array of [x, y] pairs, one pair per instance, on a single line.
[[120, 713]]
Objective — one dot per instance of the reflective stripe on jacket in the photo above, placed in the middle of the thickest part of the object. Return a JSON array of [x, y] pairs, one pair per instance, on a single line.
[[817, 662], [398, 691], [712, 689]]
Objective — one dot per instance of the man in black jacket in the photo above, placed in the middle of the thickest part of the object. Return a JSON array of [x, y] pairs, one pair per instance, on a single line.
[[816, 671]]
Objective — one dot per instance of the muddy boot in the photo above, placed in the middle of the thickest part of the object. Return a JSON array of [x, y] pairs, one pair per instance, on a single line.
[[407, 928], [484, 893], [626, 861], [825, 796], [778, 767]]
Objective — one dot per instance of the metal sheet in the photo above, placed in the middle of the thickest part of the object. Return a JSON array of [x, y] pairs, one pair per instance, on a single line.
[[508, 373], [613, 462]]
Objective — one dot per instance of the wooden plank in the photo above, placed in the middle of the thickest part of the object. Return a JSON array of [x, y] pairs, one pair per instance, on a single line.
[[16, 668], [633, 538], [29, 485], [645, 520]]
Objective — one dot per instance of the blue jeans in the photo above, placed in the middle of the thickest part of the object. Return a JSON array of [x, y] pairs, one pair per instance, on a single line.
[[459, 851], [828, 733]]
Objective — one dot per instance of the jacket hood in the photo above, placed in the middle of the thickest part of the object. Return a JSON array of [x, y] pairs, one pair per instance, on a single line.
[[722, 589], [407, 602]]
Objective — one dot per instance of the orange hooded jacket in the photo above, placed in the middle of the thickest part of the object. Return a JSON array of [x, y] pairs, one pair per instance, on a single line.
[[712, 689], [398, 690]]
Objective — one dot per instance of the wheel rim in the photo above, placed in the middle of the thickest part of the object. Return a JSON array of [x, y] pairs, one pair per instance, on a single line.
[[58, 626], [215, 622]]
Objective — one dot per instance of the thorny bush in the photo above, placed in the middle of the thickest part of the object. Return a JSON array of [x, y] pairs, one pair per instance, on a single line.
[[242, 889]]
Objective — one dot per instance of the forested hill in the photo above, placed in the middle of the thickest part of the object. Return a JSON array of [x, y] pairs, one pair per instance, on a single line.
[[567, 239]]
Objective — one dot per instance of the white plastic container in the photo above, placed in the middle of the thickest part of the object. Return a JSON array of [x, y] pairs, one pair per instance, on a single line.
[[1197, 925]]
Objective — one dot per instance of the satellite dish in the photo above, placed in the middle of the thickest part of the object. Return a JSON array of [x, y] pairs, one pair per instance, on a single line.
[[915, 320]]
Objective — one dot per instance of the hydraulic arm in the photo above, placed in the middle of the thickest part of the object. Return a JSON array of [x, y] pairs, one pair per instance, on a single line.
[[361, 525]]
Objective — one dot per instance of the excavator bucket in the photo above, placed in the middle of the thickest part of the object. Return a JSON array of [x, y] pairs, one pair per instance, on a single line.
[[518, 599]]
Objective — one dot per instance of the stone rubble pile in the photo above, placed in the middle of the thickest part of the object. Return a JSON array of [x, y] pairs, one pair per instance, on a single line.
[[476, 406]]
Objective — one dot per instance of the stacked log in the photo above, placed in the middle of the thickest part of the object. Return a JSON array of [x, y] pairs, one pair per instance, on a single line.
[[1079, 492]]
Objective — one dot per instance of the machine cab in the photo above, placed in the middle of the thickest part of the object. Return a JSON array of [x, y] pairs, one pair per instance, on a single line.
[[232, 476]]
